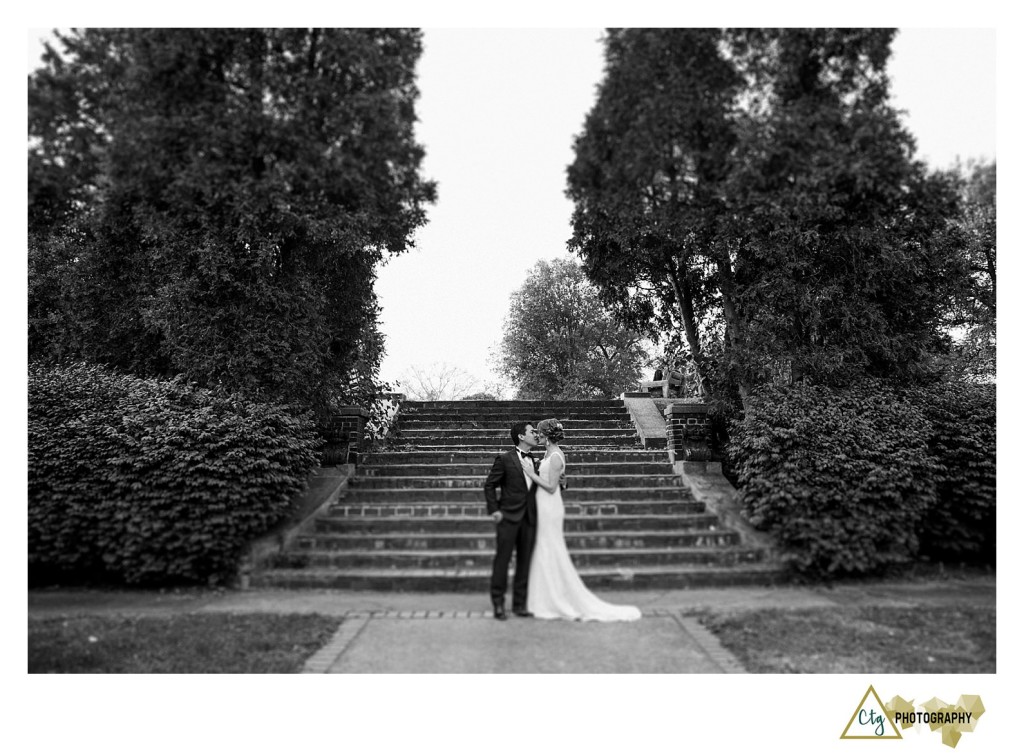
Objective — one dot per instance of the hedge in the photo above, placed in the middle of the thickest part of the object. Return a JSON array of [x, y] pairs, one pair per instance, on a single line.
[[143, 481], [842, 479], [857, 480], [961, 526]]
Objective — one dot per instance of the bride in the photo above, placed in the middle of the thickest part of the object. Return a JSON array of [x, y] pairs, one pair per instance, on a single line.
[[556, 590]]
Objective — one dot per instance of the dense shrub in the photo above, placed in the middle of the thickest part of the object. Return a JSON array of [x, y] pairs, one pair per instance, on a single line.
[[144, 481], [842, 479], [961, 525]]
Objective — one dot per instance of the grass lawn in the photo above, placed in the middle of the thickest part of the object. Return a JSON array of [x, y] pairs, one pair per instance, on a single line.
[[844, 640], [194, 643], [875, 640]]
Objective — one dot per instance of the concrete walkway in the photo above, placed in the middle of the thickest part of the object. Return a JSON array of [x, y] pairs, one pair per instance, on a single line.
[[444, 633]]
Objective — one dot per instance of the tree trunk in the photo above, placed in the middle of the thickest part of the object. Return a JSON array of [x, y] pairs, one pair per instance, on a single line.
[[684, 299], [727, 287], [990, 262]]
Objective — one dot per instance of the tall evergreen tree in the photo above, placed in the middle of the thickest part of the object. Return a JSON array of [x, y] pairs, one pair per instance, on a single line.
[[646, 178], [215, 202], [834, 233], [765, 172]]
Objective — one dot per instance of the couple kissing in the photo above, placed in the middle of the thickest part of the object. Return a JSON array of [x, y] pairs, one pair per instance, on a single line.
[[524, 499]]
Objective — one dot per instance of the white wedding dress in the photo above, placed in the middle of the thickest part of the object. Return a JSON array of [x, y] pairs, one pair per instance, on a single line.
[[556, 591]]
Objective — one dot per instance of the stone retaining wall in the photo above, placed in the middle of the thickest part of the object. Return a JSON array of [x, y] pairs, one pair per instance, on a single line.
[[689, 431], [343, 431]]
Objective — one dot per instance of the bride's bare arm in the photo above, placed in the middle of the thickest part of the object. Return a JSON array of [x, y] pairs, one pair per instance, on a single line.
[[554, 471]]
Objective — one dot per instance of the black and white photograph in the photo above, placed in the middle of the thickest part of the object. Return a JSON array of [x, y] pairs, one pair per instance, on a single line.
[[629, 356]]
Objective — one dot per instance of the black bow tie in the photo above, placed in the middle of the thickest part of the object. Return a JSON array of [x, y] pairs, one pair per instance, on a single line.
[[526, 456]]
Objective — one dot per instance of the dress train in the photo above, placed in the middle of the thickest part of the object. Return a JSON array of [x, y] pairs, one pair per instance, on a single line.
[[556, 590]]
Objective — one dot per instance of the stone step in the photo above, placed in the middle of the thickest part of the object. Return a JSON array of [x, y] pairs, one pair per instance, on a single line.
[[450, 559], [441, 456], [414, 517], [405, 424], [624, 541], [576, 481], [468, 580], [510, 417], [503, 434], [478, 523], [417, 508], [476, 495], [495, 448], [465, 442], [483, 468], [510, 405]]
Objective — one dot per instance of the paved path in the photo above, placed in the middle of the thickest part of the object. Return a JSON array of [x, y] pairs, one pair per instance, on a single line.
[[437, 633], [473, 643]]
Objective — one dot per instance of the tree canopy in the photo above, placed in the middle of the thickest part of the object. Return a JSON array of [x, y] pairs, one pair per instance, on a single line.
[[972, 234], [559, 341], [215, 202], [755, 191]]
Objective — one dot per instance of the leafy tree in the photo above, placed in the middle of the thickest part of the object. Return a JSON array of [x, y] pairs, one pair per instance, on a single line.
[[973, 313], [835, 228], [482, 396], [755, 190], [215, 202], [645, 178], [559, 341]]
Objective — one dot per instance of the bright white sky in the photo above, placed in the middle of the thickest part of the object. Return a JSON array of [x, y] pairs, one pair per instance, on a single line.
[[499, 109], [498, 112]]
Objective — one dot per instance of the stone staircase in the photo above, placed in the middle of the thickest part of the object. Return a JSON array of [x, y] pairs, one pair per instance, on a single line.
[[414, 517]]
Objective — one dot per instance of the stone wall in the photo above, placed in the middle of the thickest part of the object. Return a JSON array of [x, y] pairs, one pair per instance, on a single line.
[[689, 432], [343, 433]]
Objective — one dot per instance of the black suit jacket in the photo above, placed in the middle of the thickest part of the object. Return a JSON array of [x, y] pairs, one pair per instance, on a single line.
[[515, 500]]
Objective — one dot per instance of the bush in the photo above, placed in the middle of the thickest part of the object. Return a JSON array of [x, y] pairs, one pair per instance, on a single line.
[[961, 526], [842, 479], [142, 481]]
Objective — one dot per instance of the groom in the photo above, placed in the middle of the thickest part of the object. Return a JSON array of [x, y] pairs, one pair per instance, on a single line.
[[515, 512]]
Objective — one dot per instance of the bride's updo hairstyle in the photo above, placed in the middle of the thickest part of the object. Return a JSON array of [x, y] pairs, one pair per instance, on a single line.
[[552, 429]]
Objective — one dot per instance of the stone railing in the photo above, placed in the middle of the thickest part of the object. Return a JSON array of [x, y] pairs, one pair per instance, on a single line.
[[350, 429], [694, 457], [343, 432], [689, 432], [323, 489]]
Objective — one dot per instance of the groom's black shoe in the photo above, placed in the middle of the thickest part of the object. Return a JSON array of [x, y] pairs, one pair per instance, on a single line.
[[521, 612], [499, 611]]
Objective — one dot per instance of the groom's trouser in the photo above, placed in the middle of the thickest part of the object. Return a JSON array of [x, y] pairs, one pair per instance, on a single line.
[[512, 536]]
